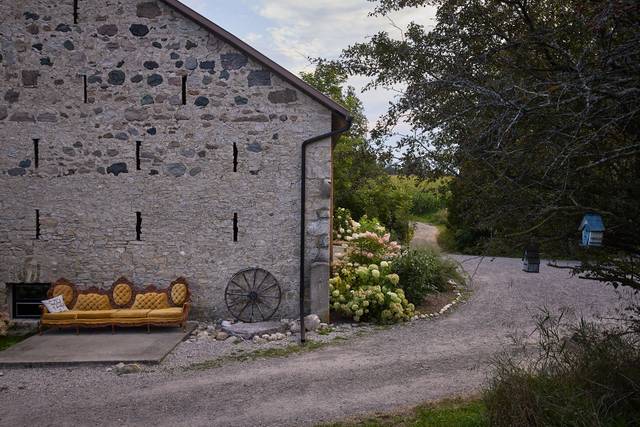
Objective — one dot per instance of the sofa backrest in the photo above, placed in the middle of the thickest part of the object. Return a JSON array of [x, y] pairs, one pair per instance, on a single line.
[[121, 295]]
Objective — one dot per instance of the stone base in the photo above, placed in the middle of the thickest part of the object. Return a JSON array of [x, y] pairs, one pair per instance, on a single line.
[[249, 330]]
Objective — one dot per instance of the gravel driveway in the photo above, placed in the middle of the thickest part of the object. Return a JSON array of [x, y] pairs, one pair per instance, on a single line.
[[400, 366]]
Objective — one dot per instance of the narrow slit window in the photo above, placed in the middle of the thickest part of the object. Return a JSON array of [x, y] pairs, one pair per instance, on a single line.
[[235, 227], [235, 157], [138, 226], [37, 224], [138, 147], [36, 153], [184, 90], [85, 93], [75, 11]]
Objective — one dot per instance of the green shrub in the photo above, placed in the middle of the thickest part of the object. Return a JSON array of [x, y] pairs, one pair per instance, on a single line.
[[583, 375], [425, 202], [424, 271]]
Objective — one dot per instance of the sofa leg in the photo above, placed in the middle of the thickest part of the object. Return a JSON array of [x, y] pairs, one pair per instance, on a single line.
[[148, 329], [77, 330], [113, 329]]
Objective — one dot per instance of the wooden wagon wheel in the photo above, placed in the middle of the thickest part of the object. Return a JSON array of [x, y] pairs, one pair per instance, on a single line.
[[253, 295]]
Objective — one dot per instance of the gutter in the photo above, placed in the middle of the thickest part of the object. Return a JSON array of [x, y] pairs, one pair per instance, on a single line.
[[303, 197]]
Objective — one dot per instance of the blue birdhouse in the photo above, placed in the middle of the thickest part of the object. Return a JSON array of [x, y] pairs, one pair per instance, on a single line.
[[592, 229], [531, 259]]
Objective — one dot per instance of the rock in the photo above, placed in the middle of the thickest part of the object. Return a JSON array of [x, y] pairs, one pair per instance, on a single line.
[[191, 63], [122, 369], [148, 10], [117, 168], [195, 171], [137, 78], [64, 28], [283, 96], [139, 30], [258, 340], [3, 113], [190, 45], [312, 322], [22, 116], [108, 30], [323, 326], [176, 169], [151, 65], [208, 65], [154, 80], [69, 45], [147, 100], [241, 100], [30, 78], [48, 118], [259, 78], [12, 96], [250, 330], [254, 147], [202, 101], [226, 323], [233, 61], [46, 61], [135, 115], [235, 340], [221, 336], [116, 77], [280, 336]]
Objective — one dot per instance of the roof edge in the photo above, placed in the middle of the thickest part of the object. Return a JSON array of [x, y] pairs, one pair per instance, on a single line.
[[288, 76]]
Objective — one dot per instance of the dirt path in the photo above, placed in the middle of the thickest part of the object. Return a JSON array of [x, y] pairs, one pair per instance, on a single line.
[[424, 235], [403, 365]]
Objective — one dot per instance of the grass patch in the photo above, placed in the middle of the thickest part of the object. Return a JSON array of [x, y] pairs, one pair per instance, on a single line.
[[263, 353], [455, 412], [6, 342]]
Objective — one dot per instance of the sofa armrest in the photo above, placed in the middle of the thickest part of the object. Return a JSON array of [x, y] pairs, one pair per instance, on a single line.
[[186, 307], [43, 310]]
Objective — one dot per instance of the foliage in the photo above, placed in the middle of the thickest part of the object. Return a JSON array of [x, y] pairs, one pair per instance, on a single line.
[[532, 107], [8, 341], [5, 324], [343, 224], [448, 413], [424, 271], [584, 375], [369, 293], [361, 183]]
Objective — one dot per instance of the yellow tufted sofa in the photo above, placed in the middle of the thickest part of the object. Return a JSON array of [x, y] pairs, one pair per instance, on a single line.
[[122, 305]]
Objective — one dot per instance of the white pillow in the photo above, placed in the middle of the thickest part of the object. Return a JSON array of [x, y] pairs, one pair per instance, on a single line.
[[55, 305]]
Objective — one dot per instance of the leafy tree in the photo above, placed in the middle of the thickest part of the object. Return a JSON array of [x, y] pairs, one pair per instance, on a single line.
[[533, 106], [361, 183]]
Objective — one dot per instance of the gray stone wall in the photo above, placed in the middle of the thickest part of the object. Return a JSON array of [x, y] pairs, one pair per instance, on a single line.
[[86, 186]]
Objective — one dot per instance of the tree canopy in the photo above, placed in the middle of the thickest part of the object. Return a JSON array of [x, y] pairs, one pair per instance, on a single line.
[[533, 106]]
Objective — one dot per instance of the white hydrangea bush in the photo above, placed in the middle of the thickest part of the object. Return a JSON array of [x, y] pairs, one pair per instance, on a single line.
[[369, 293], [343, 225]]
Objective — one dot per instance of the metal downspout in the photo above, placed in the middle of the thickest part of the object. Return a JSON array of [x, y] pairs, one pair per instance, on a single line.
[[303, 196]]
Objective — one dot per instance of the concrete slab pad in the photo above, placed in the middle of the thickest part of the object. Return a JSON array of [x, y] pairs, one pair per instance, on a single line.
[[249, 330], [94, 346]]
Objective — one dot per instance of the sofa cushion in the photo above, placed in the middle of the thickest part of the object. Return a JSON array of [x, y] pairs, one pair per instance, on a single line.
[[179, 293], [90, 302], [65, 315], [94, 314], [122, 294], [55, 304], [130, 314], [151, 301], [66, 291], [166, 313]]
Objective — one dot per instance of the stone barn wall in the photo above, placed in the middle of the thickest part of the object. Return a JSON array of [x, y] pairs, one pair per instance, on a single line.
[[86, 185]]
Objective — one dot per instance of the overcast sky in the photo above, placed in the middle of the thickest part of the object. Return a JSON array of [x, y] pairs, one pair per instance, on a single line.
[[290, 31]]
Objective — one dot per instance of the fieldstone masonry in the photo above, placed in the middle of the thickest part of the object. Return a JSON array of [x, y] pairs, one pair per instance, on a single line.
[[125, 143]]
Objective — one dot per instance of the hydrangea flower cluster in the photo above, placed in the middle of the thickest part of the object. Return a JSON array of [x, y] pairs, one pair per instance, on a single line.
[[369, 293], [343, 225], [370, 248]]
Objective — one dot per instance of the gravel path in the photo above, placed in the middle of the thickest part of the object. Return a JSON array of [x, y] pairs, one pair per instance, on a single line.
[[424, 235], [382, 370]]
